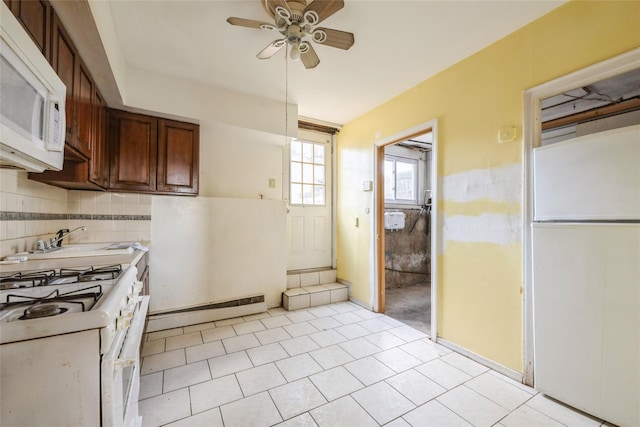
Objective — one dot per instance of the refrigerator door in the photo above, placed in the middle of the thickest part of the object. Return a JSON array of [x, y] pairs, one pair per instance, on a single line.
[[593, 177], [586, 288]]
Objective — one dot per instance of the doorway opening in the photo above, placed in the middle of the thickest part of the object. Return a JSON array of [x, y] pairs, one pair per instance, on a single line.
[[407, 231], [405, 226]]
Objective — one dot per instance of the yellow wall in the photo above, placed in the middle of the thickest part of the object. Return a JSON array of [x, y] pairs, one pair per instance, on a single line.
[[480, 288]]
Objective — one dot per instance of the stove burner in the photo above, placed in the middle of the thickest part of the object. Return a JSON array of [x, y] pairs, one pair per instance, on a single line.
[[26, 280], [91, 274], [65, 275], [42, 310], [44, 306]]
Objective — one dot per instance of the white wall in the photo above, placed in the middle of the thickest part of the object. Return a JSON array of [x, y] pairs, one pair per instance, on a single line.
[[226, 243], [238, 162], [215, 249]]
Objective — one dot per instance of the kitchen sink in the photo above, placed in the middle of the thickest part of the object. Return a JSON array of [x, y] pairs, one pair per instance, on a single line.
[[82, 250]]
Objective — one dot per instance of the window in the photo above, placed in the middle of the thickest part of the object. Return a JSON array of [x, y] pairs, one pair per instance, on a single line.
[[307, 173], [400, 180]]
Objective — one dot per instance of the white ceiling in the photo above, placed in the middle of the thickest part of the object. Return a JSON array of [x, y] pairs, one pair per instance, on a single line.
[[398, 44]]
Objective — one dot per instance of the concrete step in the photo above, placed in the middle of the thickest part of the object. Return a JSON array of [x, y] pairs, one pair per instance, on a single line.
[[314, 295]]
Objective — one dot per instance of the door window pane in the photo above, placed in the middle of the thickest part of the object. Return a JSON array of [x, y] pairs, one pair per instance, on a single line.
[[307, 152], [296, 151], [296, 194], [319, 195], [318, 154], [318, 174], [296, 172], [308, 173], [307, 194]]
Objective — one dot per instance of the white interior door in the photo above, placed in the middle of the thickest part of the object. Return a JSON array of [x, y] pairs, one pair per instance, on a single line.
[[310, 201]]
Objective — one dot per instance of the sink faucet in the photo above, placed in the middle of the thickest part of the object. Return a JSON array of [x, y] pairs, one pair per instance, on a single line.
[[57, 242]]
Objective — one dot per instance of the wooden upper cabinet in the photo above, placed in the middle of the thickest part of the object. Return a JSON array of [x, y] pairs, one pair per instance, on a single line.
[[35, 17], [64, 59], [133, 141], [178, 154], [154, 155], [80, 90], [84, 111], [108, 149], [99, 162]]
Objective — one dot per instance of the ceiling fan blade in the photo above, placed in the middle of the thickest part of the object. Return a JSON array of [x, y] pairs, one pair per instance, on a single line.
[[270, 6], [271, 50], [309, 58], [333, 38], [324, 8], [249, 23]]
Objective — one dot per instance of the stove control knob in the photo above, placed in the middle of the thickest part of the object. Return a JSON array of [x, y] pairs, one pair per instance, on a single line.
[[124, 320], [137, 286]]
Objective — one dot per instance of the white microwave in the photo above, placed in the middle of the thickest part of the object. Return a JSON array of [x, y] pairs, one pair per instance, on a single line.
[[32, 102]]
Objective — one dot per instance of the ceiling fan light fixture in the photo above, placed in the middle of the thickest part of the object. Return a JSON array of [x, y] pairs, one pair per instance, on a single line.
[[284, 14], [319, 36], [295, 52], [295, 20], [311, 17]]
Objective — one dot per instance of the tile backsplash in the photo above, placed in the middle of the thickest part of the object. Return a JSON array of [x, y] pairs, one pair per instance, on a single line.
[[30, 211]]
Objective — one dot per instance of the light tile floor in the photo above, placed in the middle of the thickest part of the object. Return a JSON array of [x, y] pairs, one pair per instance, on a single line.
[[335, 365]]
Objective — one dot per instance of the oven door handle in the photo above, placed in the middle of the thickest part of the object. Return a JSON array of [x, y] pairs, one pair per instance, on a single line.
[[131, 346]]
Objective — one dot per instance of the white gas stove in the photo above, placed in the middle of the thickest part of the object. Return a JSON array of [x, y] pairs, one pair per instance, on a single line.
[[78, 332]]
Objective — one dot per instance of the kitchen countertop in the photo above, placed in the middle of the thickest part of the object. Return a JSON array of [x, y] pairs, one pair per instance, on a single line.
[[78, 262]]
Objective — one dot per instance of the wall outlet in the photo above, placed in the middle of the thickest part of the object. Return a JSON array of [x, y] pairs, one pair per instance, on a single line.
[[272, 183]]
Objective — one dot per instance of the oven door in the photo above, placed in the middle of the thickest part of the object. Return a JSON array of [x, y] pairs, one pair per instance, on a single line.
[[121, 373]]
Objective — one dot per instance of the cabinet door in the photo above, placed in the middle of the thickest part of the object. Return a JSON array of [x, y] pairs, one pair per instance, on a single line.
[[178, 154], [34, 17], [98, 166], [84, 110], [133, 140], [64, 59]]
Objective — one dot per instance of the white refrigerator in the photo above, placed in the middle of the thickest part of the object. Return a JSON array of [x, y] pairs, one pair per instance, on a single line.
[[586, 273]]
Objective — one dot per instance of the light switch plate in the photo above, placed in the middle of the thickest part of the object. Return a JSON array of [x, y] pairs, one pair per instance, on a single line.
[[367, 185], [272, 183]]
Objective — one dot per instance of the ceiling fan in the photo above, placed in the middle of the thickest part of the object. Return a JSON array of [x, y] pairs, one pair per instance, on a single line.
[[297, 21]]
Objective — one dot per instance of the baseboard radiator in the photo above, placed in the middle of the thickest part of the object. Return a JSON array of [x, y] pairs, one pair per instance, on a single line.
[[206, 313]]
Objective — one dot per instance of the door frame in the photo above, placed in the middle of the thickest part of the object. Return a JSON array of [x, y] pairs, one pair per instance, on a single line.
[[377, 231], [532, 138]]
